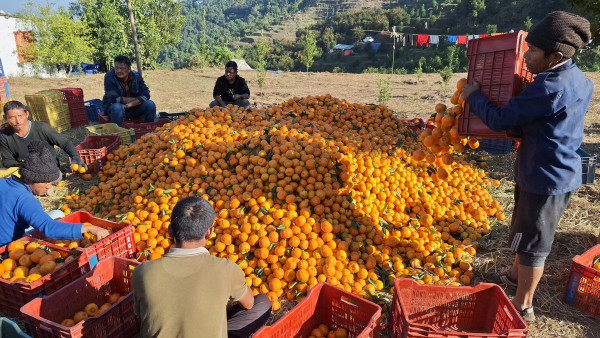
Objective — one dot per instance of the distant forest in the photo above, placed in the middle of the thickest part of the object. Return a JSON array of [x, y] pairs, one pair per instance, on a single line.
[[213, 26]]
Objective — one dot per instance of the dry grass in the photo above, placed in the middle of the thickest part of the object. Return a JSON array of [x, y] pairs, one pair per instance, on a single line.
[[412, 96]]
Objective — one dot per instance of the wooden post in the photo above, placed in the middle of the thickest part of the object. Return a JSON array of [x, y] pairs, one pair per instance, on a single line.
[[135, 42]]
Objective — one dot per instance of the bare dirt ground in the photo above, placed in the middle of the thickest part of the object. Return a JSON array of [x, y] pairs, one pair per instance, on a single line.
[[412, 96]]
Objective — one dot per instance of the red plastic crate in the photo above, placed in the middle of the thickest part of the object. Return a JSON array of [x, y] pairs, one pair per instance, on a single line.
[[94, 148], [15, 295], [144, 128], [112, 275], [497, 64], [74, 98], [583, 285], [120, 243], [483, 310], [334, 307]]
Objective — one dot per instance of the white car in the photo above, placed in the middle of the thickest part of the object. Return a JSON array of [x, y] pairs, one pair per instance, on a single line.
[[368, 39]]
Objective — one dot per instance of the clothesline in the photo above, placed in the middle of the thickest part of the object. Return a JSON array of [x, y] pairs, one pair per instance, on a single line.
[[410, 39]]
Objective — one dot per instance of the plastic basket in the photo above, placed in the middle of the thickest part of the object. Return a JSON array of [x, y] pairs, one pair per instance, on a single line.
[[93, 108], [112, 275], [497, 64], [120, 243], [15, 295], [127, 135], [588, 166], [496, 147], [483, 310], [10, 329], [583, 285], [172, 116], [331, 306], [144, 128], [50, 106], [94, 148], [77, 113]]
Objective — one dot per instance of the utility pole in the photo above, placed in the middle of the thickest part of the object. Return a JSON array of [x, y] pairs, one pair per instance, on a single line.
[[135, 42]]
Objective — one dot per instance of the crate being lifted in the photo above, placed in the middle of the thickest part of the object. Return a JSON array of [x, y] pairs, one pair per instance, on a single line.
[[497, 64]]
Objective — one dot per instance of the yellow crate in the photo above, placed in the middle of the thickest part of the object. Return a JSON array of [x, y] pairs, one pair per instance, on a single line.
[[127, 135], [9, 172], [50, 106]]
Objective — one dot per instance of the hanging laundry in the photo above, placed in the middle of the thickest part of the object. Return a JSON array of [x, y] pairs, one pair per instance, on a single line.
[[423, 39], [461, 40], [494, 34], [481, 36], [452, 38], [434, 39], [414, 39], [470, 37], [403, 39]]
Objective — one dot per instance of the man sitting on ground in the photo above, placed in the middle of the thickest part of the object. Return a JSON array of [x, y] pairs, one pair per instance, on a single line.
[[20, 131], [185, 293], [231, 88], [126, 94]]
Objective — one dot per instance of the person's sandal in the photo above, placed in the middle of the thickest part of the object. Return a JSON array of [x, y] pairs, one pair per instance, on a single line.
[[528, 315], [499, 278]]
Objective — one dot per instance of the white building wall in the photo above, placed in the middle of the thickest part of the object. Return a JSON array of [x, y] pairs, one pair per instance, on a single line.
[[8, 48]]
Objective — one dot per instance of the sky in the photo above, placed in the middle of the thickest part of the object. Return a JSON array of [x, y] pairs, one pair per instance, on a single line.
[[14, 6]]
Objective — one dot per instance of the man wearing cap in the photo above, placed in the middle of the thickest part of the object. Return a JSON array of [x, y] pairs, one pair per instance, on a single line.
[[15, 137], [550, 112], [19, 208]]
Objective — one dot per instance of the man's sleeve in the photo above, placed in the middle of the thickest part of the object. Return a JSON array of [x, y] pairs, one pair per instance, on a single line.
[[30, 209], [244, 87], [57, 139], [144, 94], [238, 281], [8, 160], [111, 94], [217, 89], [533, 103]]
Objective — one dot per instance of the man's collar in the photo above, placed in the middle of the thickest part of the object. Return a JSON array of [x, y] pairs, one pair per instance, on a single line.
[[179, 252]]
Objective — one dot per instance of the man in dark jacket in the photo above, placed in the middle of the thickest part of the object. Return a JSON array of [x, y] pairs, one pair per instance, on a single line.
[[231, 88], [20, 131], [126, 94], [550, 112]]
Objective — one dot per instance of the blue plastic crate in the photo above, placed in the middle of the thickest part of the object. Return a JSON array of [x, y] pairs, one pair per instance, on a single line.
[[93, 108], [588, 166], [496, 147]]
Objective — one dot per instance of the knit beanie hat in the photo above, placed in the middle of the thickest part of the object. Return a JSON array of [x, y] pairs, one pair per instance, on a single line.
[[560, 32], [40, 165]]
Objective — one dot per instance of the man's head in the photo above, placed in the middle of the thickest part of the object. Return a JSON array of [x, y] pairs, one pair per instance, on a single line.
[[191, 219], [231, 69], [39, 170], [17, 116], [122, 67], [559, 35]]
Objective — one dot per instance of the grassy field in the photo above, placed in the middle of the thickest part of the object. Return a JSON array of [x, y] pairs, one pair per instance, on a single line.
[[411, 96]]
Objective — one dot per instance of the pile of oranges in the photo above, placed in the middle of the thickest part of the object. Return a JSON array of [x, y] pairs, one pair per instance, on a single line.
[[315, 189], [323, 331], [443, 139], [29, 261], [92, 310]]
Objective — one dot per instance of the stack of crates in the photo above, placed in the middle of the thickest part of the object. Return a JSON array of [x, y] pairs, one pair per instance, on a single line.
[[77, 112], [127, 135], [583, 285], [497, 64], [50, 106]]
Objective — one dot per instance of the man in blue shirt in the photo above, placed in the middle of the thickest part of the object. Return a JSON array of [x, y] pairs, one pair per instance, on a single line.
[[550, 112], [126, 94], [19, 208]]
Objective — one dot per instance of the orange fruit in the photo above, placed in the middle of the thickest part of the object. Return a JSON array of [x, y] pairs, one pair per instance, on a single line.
[[113, 298], [104, 308], [79, 316], [9, 264], [68, 322], [15, 245], [91, 309]]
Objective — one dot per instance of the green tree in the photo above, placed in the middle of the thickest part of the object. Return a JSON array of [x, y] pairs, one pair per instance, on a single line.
[[58, 38], [262, 49], [591, 8], [309, 50], [527, 23], [158, 24]]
